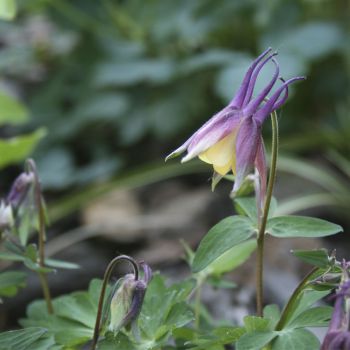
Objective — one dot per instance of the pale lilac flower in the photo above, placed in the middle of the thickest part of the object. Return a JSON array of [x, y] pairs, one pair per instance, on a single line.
[[231, 140]]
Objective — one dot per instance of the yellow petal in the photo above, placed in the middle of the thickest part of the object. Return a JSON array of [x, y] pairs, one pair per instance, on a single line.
[[204, 158], [222, 154], [222, 170]]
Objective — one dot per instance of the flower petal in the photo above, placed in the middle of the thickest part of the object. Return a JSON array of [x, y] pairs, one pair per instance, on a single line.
[[282, 100], [179, 150], [237, 101], [247, 143], [253, 105], [268, 107], [221, 154], [255, 75], [260, 165], [217, 128]]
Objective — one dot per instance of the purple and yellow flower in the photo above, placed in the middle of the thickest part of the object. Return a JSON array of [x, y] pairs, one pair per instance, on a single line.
[[231, 140]]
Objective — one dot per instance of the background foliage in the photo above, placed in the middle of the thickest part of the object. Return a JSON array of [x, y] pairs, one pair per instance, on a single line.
[[120, 83]]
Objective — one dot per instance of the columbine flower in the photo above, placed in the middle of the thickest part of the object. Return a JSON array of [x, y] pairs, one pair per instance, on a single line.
[[231, 139], [338, 335], [127, 301]]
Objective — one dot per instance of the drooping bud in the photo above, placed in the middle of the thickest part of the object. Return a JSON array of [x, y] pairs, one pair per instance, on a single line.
[[127, 301], [121, 302], [19, 189]]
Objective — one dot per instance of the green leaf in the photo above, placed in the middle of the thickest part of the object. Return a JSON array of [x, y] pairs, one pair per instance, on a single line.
[[11, 256], [247, 206], [34, 266], [296, 339], [31, 252], [219, 282], [179, 315], [37, 315], [20, 339], [11, 111], [305, 301], [329, 36], [70, 333], [45, 343], [159, 311], [105, 106], [78, 307], [119, 341], [301, 226], [10, 282], [272, 312], [134, 72], [232, 258], [255, 341], [218, 337], [8, 9], [316, 257], [66, 330], [61, 264], [223, 236], [315, 317], [16, 149], [14, 248], [228, 335], [255, 323]]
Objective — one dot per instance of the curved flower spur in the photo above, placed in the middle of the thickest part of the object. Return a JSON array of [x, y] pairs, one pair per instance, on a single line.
[[231, 140]]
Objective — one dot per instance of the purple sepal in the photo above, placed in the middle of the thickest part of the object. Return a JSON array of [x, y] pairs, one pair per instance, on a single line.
[[136, 303], [19, 189], [338, 335]]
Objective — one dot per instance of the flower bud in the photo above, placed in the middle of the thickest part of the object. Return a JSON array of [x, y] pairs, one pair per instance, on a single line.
[[127, 301], [121, 302], [19, 189], [6, 217]]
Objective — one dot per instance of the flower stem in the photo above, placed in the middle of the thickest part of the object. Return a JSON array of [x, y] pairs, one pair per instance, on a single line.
[[106, 279], [263, 221], [314, 273], [42, 236]]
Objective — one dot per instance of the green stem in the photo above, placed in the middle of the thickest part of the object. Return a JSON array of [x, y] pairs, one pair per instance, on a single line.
[[263, 221], [42, 235], [197, 305], [106, 279], [315, 272], [46, 292]]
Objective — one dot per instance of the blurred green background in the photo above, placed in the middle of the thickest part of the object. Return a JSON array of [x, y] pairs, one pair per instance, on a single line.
[[113, 86]]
